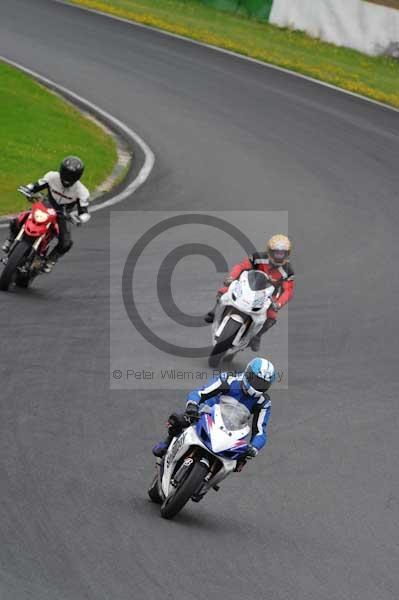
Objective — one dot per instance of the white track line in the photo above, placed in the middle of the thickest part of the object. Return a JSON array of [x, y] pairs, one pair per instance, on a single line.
[[100, 113], [230, 53]]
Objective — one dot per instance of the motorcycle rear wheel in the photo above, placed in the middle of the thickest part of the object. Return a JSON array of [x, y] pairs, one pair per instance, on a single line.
[[191, 484], [225, 342], [15, 259]]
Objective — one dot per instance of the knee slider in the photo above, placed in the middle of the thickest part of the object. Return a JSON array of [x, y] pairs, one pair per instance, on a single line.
[[175, 423]]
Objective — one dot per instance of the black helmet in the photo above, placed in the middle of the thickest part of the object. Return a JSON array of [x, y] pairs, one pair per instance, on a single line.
[[71, 170]]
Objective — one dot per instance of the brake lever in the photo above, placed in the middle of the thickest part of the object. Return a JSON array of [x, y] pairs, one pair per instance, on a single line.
[[25, 192]]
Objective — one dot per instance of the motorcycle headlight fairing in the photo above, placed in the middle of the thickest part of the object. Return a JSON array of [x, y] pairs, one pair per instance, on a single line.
[[40, 216]]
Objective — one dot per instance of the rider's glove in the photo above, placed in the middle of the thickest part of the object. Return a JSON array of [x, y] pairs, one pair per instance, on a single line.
[[84, 218], [228, 280], [192, 411], [251, 452], [26, 190], [275, 305]]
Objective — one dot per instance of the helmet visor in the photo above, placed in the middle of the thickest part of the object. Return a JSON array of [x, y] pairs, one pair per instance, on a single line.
[[257, 383], [69, 179], [279, 256]]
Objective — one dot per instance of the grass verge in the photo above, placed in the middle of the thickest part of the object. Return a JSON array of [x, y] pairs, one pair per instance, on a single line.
[[374, 77], [39, 129]]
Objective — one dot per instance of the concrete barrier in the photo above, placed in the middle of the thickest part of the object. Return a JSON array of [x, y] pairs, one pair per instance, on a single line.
[[369, 26]]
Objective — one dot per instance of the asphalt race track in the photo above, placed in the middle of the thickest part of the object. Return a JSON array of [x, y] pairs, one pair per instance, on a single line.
[[316, 515]]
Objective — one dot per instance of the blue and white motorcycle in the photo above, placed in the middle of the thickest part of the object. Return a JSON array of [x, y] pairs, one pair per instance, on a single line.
[[202, 456]]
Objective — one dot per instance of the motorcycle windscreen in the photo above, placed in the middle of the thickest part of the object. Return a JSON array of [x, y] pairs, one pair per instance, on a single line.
[[258, 280], [234, 414]]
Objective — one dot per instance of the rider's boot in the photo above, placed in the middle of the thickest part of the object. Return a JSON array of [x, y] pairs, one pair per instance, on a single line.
[[50, 261], [197, 497], [160, 449], [6, 246], [210, 316], [48, 265], [255, 342]]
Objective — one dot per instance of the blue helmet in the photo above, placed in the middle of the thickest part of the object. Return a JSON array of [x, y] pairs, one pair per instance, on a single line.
[[258, 376]]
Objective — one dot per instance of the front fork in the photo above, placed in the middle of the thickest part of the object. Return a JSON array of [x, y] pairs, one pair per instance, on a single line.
[[213, 467], [211, 479], [220, 324], [36, 261], [35, 245], [17, 239]]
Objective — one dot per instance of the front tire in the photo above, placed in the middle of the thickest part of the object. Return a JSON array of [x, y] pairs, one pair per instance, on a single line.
[[15, 259], [224, 343], [173, 504]]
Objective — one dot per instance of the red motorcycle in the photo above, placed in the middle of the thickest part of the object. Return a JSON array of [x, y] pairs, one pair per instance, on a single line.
[[27, 255]]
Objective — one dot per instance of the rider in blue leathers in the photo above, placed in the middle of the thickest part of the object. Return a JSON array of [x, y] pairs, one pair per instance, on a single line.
[[249, 388]]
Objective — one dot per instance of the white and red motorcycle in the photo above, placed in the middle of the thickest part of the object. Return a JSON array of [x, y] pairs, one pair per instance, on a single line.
[[240, 315], [202, 456]]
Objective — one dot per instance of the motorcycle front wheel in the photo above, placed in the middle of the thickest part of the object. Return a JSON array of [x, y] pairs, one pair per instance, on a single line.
[[224, 343], [191, 484], [15, 259]]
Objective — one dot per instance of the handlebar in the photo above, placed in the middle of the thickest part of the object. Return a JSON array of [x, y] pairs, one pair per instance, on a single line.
[[70, 217], [26, 192], [191, 419]]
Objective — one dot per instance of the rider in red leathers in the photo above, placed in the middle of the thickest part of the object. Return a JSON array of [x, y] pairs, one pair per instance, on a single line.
[[275, 263]]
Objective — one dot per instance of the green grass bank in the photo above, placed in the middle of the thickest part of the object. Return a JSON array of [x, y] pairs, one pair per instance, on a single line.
[[38, 129]]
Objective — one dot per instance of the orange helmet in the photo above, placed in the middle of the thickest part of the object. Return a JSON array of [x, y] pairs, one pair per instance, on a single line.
[[279, 249]]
